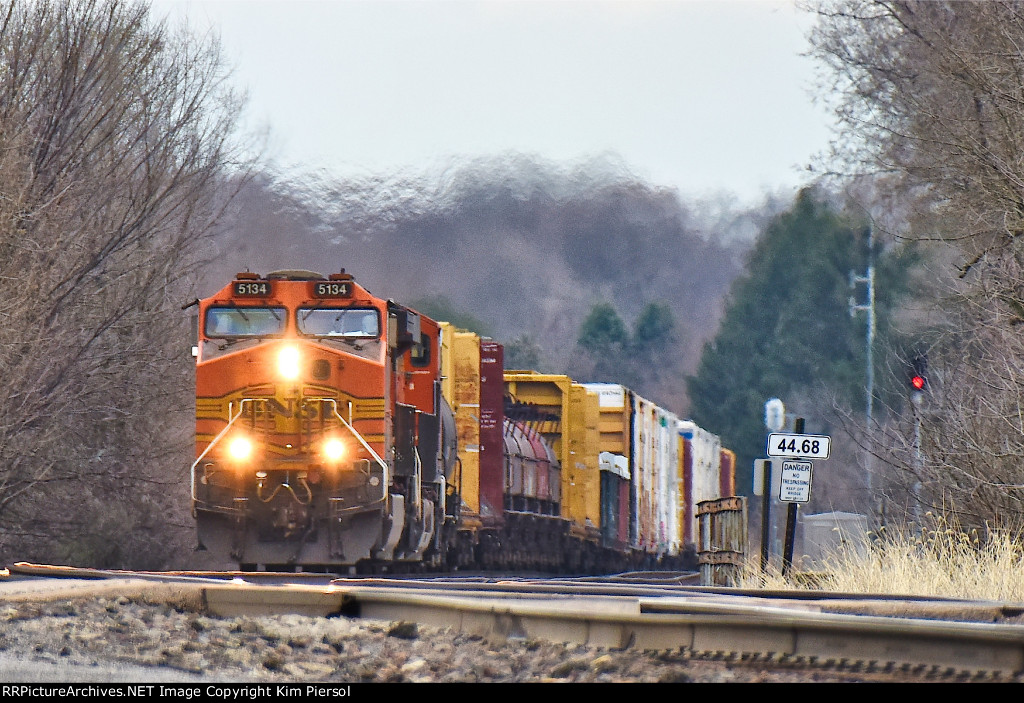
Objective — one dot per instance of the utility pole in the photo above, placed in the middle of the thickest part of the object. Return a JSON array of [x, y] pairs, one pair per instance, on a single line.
[[917, 399], [869, 280], [918, 387]]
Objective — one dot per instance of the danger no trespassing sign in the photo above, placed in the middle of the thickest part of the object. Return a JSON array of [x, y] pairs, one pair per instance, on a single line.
[[796, 482]]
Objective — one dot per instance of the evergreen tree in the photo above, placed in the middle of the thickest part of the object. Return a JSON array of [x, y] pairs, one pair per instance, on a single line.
[[647, 361], [523, 353], [604, 339], [603, 331], [787, 327], [654, 333]]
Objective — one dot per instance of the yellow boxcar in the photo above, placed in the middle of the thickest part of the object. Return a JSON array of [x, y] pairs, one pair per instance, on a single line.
[[615, 444], [460, 386], [567, 415]]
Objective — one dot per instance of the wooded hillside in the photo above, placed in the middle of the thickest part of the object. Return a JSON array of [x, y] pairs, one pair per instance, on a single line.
[[524, 247]]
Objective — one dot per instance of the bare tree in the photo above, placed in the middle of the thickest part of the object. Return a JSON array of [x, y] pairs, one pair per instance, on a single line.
[[930, 93], [930, 99], [955, 448], [114, 145]]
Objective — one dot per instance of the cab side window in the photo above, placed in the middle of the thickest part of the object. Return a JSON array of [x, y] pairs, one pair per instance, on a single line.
[[420, 352]]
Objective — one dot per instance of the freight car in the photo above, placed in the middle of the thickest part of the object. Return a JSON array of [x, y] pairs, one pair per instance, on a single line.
[[338, 431]]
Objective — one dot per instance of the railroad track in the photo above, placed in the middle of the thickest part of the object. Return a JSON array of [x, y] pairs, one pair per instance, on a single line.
[[930, 638]]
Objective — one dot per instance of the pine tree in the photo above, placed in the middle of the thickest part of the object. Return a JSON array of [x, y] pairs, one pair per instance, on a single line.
[[787, 327]]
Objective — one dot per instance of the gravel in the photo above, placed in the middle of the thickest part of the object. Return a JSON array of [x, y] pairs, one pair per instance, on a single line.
[[139, 639]]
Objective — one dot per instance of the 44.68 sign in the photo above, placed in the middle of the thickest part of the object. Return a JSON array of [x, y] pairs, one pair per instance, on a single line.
[[804, 446]]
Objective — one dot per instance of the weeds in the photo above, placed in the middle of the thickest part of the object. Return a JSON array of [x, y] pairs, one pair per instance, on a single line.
[[941, 560]]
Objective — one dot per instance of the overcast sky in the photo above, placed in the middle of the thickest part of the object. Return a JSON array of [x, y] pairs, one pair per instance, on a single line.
[[702, 95]]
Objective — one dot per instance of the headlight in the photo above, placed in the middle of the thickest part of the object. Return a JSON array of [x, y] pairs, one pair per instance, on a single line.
[[334, 449], [240, 448], [288, 363]]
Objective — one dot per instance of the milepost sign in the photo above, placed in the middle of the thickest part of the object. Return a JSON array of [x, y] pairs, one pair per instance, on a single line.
[[799, 446], [796, 471]]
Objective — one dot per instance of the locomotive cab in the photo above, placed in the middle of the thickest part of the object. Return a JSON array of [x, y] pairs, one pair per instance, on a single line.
[[317, 425]]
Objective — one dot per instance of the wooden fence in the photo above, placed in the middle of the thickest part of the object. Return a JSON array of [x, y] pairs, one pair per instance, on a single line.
[[722, 548]]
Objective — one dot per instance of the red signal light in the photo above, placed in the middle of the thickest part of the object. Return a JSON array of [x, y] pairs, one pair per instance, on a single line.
[[918, 373]]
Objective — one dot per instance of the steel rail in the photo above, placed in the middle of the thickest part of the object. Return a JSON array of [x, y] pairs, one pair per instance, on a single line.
[[659, 617], [653, 623]]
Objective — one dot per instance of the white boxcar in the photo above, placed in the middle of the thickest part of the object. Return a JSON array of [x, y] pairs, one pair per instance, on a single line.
[[702, 465], [656, 478]]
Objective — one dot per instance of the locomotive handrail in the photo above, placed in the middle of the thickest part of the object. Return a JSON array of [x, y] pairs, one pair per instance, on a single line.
[[418, 477], [376, 457], [216, 439]]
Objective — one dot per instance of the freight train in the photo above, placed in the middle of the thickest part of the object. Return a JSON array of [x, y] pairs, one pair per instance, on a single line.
[[337, 431]]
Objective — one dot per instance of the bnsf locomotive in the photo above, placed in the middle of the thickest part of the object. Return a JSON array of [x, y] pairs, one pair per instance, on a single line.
[[338, 431]]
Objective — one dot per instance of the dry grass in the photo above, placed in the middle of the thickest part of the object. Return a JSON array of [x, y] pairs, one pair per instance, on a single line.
[[938, 561]]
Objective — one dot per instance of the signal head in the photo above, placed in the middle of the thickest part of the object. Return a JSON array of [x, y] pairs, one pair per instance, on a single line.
[[918, 372]]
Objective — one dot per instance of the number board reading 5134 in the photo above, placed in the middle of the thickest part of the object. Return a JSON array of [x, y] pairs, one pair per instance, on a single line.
[[804, 446]]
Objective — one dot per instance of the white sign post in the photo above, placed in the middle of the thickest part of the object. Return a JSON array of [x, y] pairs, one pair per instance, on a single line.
[[796, 482], [774, 420]]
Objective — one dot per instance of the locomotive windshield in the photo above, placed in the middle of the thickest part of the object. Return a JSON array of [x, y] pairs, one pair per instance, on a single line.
[[245, 322], [346, 322], [352, 330]]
